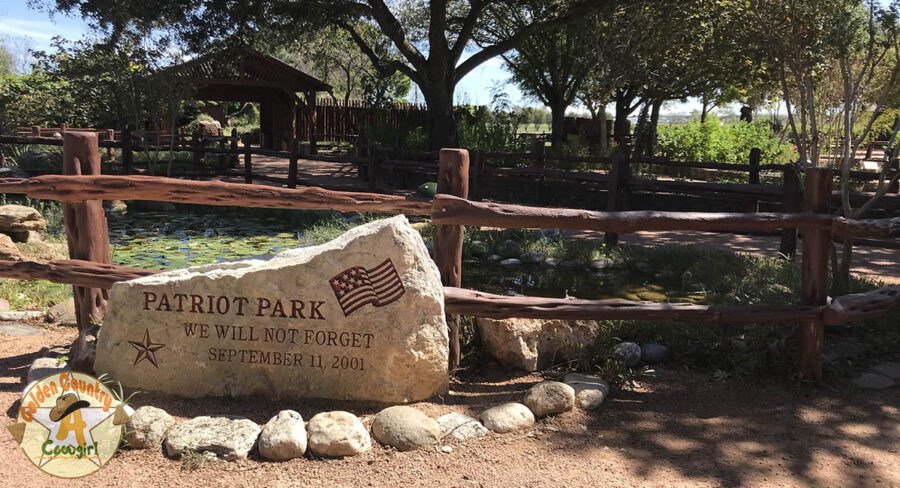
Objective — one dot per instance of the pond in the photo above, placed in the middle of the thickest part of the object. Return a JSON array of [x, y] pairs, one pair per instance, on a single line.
[[161, 240]]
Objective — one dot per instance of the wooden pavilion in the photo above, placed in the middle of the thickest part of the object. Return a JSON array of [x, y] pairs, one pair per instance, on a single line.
[[245, 75]]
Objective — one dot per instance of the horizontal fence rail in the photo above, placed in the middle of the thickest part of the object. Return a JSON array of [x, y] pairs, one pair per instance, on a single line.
[[450, 211], [843, 310], [78, 188]]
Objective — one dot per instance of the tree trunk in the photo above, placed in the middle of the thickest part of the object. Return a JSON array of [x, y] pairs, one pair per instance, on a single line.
[[703, 110], [557, 124], [654, 123], [621, 124], [441, 123]]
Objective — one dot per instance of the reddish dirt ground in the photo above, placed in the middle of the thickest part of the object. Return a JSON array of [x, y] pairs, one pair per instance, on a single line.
[[676, 429]]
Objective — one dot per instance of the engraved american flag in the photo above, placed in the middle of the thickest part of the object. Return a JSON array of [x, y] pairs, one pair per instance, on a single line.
[[357, 286]]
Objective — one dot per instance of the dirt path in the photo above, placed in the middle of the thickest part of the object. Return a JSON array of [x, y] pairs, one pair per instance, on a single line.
[[879, 263], [677, 429]]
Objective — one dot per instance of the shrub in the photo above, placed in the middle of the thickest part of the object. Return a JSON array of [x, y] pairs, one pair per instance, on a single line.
[[713, 142]]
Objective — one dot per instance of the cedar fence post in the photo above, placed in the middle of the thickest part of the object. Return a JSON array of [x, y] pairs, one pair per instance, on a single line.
[[196, 153], [127, 151], [814, 287], [617, 187], [476, 175], [755, 157], [540, 151], [110, 151], [292, 164], [36, 131], [453, 179], [234, 148], [222, 159], [86, 232], [372, 171], [792, 203], [248, 161]]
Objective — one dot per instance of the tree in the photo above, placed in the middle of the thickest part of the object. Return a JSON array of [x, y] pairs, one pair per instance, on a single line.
[[7, 62], [430, 38], [550, 67]]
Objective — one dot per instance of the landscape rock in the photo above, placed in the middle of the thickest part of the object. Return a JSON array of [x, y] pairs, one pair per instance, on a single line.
[[532, 257], [551, 262], [508, 417], [891, 370], [22, 330], [652, 353], [287, 334], [461, 427], [118, 207], [478, 249], [12, 315], [533, 344], [873, 381], [337, 434], [40, 162], [283, 437], [590, 391], [549, 398], [493, 258], [549, 233], [228, 437], [209, 127], [43, 367], [627, 352], [62, 313], [405, 428], [601, 264], [510, 262], [148, 427], [13, 172], [509, 249], [8, 249], [19, 218]]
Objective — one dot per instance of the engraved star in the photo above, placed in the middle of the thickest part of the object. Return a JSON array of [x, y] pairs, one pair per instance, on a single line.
[[146, 350]]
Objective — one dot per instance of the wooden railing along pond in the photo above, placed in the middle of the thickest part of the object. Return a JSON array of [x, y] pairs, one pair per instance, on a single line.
[[82, 190]]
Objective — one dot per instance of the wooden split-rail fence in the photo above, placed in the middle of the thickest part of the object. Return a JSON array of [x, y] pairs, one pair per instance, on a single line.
[[82, 188]]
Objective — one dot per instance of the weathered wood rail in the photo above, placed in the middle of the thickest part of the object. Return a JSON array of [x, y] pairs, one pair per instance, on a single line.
[[450, 211]]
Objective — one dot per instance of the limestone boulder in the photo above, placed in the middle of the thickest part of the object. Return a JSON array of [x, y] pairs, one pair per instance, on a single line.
[[508, 417], [228, 437], [209, 127], [358, 318], [8, 249], [283, 437], [533, 344], [590, 391], [62, 313], [148, 427], [337, 434], [20, 219], [628, 353], [40, 162], [461, 427], [549, 398], [405, 428]]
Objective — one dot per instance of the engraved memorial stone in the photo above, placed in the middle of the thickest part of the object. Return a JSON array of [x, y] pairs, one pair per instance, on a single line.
[[358, 318]]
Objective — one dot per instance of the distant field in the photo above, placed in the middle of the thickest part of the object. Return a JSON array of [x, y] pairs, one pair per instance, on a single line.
[[534, 128]]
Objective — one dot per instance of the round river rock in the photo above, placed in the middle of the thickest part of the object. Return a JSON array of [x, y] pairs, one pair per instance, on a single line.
[[405, 428]]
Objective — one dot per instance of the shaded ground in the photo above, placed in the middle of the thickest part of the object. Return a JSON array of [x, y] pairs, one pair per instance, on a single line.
[[677, 429], [879, 263]]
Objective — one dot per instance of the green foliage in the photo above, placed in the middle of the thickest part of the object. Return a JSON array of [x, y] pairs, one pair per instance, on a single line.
[[713, 142], [6, 59], [495, 129], [37, 98]]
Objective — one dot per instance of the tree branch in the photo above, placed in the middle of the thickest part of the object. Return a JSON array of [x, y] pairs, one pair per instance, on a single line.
[[476, 8], [529, 30], [391, 28], [385, 67]]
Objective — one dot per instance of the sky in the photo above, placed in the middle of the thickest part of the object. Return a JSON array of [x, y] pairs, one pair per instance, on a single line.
[[37, 29]]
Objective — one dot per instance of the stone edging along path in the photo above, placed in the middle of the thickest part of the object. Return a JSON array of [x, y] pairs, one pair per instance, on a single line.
[[337, 434]]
